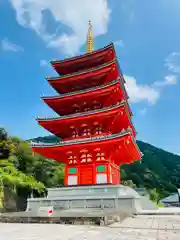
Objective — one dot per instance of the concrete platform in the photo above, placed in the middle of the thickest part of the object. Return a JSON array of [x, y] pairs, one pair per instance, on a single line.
[[97, 204], [114, 198], [73, 216], [136, 228]]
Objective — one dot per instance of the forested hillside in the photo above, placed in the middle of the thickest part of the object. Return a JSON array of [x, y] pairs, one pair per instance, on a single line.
[[23, 173]]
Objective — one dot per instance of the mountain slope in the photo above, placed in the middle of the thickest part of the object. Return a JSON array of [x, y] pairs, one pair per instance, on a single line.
[[158, 169]]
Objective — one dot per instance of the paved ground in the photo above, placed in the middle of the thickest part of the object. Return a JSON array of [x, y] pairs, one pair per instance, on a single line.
[[138, 228], [162, 211]]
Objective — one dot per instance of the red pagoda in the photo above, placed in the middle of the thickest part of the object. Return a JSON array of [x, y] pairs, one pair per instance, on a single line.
[[94, 123]]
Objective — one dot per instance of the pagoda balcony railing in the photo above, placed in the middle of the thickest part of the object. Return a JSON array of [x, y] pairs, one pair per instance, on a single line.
[[103, 133], [79, 136], [86, 140]]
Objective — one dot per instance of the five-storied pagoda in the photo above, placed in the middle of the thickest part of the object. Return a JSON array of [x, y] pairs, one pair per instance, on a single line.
[[94, 124]]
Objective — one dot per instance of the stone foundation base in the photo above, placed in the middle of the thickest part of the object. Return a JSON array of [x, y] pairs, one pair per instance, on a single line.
[[110, 198], [76, 218], [98, 204]]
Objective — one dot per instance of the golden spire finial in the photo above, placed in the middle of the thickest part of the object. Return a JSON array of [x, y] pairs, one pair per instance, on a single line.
[[89, 41]]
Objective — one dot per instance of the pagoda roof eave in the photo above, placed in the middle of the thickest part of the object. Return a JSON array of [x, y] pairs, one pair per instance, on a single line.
[[84, 140], [78, 73], [59, 151], [114, 82], [111, 45], [76, 115], [77, 118]]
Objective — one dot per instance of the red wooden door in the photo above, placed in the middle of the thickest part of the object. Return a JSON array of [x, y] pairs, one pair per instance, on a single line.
[[86, 174]]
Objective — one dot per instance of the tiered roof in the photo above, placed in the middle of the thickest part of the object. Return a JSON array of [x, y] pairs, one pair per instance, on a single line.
[[87, 78], [108, 117], [92, 93], [116, 147], [85, 61], [100, 94]]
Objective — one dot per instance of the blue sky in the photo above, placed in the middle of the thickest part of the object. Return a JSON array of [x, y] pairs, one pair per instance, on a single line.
[[147, 40]]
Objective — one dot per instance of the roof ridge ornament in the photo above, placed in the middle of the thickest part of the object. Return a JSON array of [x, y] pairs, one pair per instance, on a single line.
[[90, 40]]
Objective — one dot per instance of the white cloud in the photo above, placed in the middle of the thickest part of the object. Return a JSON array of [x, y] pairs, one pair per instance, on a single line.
[[142, 92], [172, 62], [43, 63], [74, 14], [149, 93], [119, 43], [168, 80], [6, 45]]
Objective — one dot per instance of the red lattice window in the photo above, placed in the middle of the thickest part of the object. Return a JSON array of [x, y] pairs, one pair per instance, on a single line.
[[98, 130], [86, 157], [86, 132], [75, 133], [72, 159], [100, 156]]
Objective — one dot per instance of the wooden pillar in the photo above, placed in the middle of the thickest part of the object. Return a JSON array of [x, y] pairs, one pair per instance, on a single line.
[[66, 175], [94, 172], [109, 173]]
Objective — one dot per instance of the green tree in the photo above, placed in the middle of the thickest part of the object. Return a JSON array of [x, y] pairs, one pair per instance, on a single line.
[[154, 195], [45, 171], [128, 183], [10, 176]]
